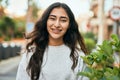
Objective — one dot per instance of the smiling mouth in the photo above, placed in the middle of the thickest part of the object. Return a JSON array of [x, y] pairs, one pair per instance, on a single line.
[[56, 31]]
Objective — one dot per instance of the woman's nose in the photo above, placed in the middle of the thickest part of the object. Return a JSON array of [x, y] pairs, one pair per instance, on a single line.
[[57, 23]]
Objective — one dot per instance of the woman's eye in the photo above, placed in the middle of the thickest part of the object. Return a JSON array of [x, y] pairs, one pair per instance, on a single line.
[[52, 18], [63, 20]]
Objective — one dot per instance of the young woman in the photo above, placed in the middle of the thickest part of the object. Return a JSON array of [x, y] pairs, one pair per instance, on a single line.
[[57, 47]]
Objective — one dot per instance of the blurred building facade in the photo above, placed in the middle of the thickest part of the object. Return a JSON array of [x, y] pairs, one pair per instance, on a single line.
[[108, 24]]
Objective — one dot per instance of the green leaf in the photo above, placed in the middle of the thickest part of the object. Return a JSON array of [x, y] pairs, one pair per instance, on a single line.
[[106, 47], [115, 38]]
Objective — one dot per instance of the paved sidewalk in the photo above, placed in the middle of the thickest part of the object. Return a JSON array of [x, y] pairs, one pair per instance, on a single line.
[[11, 75], [9, 64]]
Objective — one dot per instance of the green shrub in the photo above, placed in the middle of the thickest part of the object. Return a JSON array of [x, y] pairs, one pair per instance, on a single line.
[[100, 64], [90, 44], [6, 38], [11, 28], [0, 34], [89, 35]]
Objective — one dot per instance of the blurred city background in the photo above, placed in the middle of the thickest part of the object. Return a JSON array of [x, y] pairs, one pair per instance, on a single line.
[[97, 20]]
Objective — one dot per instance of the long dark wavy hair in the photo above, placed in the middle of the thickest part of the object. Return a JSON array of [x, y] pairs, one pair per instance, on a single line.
[[39, 38]]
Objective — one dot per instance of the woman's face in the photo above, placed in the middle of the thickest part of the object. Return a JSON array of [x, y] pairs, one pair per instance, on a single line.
[[57, 23]]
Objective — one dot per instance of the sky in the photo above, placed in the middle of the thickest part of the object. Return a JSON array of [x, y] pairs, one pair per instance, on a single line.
[[78, 7], [17, 7]]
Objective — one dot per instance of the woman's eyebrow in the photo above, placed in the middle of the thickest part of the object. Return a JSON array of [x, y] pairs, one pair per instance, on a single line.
[[63, 17], [52, 15]]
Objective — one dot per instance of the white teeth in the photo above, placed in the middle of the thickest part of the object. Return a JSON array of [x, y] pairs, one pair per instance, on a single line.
[[56, 31]]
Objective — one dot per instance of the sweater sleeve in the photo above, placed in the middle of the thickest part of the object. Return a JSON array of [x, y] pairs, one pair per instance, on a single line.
[[81, 66], [21, 72]]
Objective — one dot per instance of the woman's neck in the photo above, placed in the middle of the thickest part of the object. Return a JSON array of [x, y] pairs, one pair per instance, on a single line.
[[54, 42]]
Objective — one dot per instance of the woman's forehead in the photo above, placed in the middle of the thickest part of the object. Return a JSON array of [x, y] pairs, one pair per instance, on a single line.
[[59, 12]]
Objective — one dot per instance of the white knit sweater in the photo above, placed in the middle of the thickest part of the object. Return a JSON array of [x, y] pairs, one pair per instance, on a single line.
[[56, 65]]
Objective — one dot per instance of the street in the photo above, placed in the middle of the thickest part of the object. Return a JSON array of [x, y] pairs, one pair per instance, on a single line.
[[11, 75], [8, 68]]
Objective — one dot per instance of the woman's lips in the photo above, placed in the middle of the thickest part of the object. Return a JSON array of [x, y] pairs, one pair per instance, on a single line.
[[56, 31]]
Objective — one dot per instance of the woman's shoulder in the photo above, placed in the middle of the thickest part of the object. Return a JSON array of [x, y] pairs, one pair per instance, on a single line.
[[80, 53], [26, 55]]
